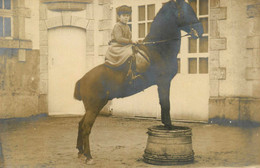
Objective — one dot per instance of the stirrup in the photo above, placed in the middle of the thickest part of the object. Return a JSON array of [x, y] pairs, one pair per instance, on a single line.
[[134, 77]]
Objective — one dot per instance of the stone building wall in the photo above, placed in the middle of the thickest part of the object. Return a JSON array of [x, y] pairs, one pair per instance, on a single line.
[[19, 92], [105, 26], [234, 69], [19, 63], [93, 16]]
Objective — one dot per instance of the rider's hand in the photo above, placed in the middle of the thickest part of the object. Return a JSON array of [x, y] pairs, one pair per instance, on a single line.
[[134, 41]]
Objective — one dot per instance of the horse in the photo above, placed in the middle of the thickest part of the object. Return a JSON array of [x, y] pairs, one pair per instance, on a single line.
[[102, 83]]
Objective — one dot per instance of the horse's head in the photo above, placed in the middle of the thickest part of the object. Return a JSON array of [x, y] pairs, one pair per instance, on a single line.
[[186, 18], [174, 16]]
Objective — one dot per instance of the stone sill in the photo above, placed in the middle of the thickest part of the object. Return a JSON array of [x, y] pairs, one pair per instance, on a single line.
[[66, 5], [15, 43]]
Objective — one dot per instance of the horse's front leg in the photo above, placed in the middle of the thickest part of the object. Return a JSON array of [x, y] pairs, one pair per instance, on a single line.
[[164, 97]]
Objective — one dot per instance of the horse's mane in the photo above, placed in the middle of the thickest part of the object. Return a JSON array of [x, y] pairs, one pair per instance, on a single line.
[[164, 24], [165, 27]]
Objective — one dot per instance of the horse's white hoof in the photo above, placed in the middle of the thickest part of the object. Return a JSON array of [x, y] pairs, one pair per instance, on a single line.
[[90, 162]]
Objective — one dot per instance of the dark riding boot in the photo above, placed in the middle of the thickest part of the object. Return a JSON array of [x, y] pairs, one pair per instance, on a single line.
[[132, 74]]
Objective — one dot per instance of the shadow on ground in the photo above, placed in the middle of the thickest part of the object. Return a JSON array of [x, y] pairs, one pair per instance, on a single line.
[[119, 142]]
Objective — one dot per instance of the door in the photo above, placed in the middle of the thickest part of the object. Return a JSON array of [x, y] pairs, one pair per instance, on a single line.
[[66, 64]]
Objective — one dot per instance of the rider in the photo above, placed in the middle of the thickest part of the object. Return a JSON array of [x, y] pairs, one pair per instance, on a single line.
[[120, 48]]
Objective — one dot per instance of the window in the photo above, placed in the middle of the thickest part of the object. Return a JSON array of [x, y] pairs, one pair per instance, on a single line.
[[5, 26], [5, 4], [192, 45], [179, 65], [195, 63], [203, 65], [203, 7], [198, 47], [200, 7], [5, 18], [146, 14], [204, 22], [192, 65], [203, 44]]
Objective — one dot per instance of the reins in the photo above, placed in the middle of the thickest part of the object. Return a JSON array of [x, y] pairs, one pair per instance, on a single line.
[[162, 41]]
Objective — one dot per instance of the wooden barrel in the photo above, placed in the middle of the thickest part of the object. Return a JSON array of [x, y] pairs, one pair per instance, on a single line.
[[169, 147]]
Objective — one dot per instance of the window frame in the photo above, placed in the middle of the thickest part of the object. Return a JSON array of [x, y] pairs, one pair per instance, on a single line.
[[7, 13], [3, 5], [187, 55], [134, 4], [11, 21], [146, 21], [202, 17]]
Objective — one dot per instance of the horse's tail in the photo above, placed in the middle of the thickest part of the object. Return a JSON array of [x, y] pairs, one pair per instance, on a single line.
[[77, 91]]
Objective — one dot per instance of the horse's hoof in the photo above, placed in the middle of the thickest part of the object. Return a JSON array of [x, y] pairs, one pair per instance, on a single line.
[[80, 155], [90, 162], [169, 127]]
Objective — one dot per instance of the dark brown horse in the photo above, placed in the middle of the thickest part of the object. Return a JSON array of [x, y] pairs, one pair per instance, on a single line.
[[102, 83]]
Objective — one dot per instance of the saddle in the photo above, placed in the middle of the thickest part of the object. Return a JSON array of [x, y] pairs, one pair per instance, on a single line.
[[139, 63], [135, 64]]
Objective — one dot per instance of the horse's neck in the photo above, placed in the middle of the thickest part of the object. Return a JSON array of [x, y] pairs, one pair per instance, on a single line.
[[165, 25]]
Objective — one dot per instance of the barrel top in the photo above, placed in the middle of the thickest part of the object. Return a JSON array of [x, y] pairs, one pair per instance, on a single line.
[[174, 128], [160, 130]]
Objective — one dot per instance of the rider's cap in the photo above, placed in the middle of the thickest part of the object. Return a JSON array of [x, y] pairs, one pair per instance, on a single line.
[[124, 9]]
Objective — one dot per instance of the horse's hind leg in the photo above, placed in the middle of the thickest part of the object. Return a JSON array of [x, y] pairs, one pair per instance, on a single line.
[[80, 138], [92, 111], [89, 120]]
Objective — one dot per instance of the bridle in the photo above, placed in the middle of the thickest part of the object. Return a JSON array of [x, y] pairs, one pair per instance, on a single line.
[[180, 13], [163, 41]]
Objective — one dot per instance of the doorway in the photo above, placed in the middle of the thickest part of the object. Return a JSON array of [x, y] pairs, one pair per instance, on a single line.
[[66, 64]]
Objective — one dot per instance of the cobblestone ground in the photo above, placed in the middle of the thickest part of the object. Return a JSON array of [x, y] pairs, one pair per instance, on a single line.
[[118, 142]]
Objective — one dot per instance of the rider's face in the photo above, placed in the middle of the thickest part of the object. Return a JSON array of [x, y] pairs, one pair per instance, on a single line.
[[124, 18]]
